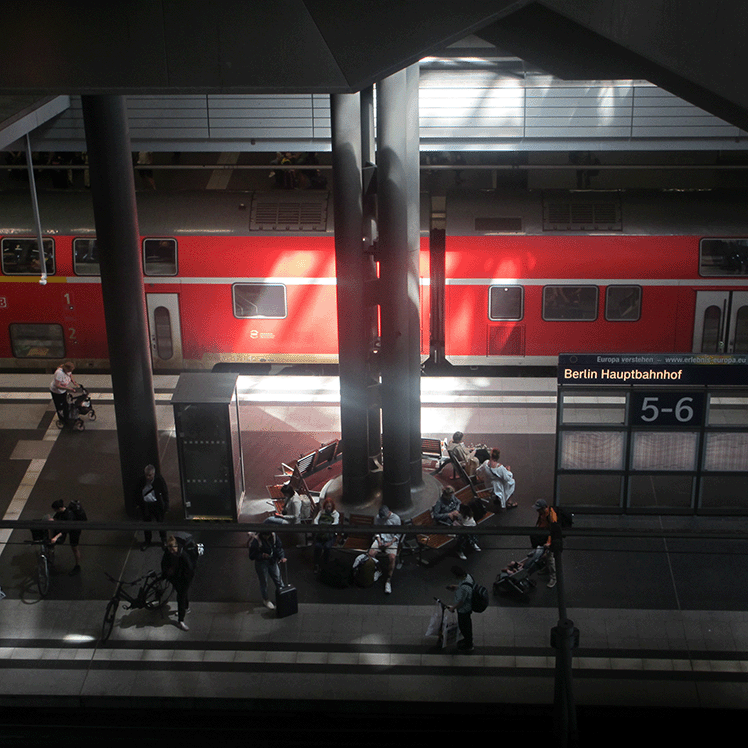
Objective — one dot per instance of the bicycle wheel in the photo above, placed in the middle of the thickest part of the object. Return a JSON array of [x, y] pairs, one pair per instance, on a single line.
[[42, 575], [109, 615], [156, 592]]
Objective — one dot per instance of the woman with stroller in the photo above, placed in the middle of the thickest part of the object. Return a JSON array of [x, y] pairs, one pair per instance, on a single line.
[[500, 478], [61, 384]]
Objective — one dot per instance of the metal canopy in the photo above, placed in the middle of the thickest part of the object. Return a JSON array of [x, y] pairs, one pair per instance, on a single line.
[[694, 50]]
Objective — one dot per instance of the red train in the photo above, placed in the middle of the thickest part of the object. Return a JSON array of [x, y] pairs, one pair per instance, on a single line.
[[516, 279]]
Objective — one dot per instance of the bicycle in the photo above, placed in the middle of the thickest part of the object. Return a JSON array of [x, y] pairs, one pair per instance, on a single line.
[[154, 592], [45, 559]]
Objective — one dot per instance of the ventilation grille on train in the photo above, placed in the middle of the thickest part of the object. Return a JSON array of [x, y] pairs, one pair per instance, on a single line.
[[499, 225], [583, 215], [506, 340], [284, 212]]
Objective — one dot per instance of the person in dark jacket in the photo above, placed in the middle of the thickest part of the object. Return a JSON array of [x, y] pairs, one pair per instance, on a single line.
[[152, 498], [266, 550], [178, 568], [75, 513]]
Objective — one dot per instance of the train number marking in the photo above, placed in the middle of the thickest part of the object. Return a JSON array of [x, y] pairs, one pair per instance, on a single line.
[[3, 302]]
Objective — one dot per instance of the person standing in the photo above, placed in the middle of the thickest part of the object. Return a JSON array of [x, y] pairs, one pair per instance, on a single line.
[[463, 605], [546, 517], [152, 498], [61, 384], [266, 550], [74, 512], [178, 567]]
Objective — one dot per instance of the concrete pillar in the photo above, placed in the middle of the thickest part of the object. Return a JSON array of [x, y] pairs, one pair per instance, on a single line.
[[118, 239], [353, 335]]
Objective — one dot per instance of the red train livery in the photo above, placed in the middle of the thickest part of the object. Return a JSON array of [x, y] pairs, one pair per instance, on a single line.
[[517, 278]]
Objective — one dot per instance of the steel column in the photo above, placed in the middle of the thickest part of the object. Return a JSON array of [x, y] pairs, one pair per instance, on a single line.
[[413, 184], [118, 239], [353, 337], [397, 284]]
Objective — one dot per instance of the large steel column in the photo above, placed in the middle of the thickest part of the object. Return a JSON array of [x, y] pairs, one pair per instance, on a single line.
[[118, 239], [413, 183], [397, 282], [353, 337]]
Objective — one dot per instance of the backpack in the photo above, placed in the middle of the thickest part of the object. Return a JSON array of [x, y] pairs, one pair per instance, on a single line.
[[479, 598], [76, 511], [188, 546], [565, 517]]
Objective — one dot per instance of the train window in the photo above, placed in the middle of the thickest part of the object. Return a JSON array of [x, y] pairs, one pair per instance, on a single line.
[[21, 256], [623, 303], [259, 301], [160, 256], [37, 340], [723, 257], [562, 303], [505, 302], [85, 257]]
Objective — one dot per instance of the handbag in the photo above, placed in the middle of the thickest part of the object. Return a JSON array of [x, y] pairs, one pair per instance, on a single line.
[[435, 623], [449, 628]]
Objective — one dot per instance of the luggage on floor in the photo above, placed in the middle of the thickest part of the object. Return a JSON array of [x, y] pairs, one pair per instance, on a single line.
[[286, 600]]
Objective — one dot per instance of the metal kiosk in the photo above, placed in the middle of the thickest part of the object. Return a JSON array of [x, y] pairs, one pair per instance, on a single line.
[[211, 468]]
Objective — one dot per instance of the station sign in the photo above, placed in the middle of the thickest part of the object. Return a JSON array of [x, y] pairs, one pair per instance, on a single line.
[[659, 369]]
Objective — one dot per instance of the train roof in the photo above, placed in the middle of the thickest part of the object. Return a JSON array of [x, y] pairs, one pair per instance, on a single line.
[[70, 212], [184, 212], [583, 212]]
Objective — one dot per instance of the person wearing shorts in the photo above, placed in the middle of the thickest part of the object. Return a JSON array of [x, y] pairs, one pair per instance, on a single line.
[[386, 542]]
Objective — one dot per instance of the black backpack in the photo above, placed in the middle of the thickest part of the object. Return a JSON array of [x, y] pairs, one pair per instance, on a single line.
[[188, 546], [76, 511], [478, 598], [565, 517]]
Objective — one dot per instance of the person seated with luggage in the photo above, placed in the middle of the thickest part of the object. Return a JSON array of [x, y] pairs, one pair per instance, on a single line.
[[446, 511], [464, 455], [266, 550], [386, 542], [328, 516], [499, 479]]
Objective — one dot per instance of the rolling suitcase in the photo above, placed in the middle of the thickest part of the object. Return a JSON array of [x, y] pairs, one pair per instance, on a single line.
[[286, 601]]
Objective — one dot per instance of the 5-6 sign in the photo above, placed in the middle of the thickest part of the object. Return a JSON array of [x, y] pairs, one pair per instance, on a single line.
[[649, 408]]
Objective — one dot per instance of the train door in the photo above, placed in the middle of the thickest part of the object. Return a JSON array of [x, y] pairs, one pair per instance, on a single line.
[[165, 331], [721, 323]]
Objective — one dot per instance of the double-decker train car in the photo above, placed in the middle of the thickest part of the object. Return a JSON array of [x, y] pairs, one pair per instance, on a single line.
[[229, 278], [530, 275], [516, 278]]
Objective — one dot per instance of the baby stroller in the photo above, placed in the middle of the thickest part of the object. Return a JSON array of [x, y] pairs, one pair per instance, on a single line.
[[517, 577], [79, 406]]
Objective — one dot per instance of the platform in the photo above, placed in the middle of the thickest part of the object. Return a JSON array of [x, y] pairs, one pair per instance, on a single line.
[[661, 622]]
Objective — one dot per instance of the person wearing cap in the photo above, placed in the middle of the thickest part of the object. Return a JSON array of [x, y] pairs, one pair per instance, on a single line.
[[386, 542], [546, 517]]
